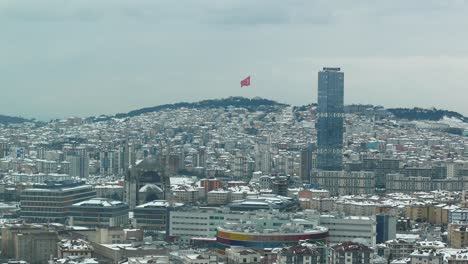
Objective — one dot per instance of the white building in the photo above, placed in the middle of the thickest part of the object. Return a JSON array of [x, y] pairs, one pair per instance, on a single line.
[[186, 223], [359, 229], [197, 223], [38, 178]]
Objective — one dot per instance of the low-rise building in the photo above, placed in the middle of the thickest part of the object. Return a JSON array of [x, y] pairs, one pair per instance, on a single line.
[[218, 197], [74, 247], [460, 257], [185, 194], [303, 254], [458, 215], [351, 253], [459, 237], [426, 257], [418, 211], [99, 212], [399, 248], [238, 255], [154, 216]]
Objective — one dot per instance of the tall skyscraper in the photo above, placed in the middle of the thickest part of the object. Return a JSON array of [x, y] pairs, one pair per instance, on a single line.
[[330, 116]]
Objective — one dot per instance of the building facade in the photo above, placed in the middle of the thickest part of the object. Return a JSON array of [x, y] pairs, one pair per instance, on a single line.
[[154, 216], [351, 253], [253, 237], [99, 212], [50, 202], [350, 228], [345, 183], [330, 116]]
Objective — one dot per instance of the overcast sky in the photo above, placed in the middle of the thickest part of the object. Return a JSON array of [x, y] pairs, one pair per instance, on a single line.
[[87, 57]]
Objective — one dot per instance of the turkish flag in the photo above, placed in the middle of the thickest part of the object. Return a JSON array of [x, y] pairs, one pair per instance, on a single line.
[[245, 82]]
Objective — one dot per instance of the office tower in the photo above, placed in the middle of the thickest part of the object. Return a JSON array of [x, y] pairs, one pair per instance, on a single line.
[[330, 115], [385, 228], [50, 202], [153, 217]]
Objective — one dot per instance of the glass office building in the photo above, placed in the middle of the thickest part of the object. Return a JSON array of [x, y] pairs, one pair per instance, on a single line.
[[330, 116]]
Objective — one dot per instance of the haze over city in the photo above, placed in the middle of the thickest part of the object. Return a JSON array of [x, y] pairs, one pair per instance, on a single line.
[[233, 132], [83, 58]]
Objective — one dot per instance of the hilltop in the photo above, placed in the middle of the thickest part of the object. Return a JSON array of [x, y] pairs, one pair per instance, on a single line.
[[267, 105], [13, 120], [432, 114], [254, 104]]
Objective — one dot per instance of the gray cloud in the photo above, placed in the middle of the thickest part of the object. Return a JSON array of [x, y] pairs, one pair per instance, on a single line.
[[70, 57]]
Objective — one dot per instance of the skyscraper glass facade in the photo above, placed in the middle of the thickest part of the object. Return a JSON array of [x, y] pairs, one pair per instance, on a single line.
[[330, 116]]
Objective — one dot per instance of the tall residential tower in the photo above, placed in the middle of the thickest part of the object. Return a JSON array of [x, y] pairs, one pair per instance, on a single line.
[[330, 116]]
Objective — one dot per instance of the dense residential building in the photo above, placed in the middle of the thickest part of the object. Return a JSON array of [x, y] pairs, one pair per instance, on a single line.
[[351, 253], [303, 254], [50, 202], [459, 237], [239, 255], [79, 162], [426, 257], [381, 167], [237, 173], [345, 183], [399, 248], [32, 243]]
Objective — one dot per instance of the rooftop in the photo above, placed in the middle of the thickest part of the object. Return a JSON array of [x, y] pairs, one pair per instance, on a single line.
[[100, 202]]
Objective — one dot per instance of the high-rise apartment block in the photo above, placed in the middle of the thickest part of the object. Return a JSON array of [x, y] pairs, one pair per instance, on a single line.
[[330, 116]]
